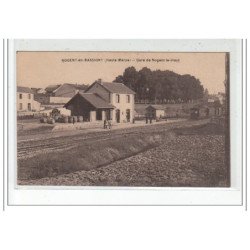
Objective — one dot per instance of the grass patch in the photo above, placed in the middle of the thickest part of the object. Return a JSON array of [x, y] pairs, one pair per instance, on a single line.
[[205, 129], [87, 156], [36, 130]]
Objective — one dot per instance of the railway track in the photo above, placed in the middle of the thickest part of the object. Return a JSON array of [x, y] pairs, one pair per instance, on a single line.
[[30, 148]]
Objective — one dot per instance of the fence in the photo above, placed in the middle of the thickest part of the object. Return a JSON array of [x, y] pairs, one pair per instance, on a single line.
[[218, 120], [32, 116]]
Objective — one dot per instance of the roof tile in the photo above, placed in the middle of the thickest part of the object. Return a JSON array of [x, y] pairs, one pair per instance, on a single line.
[[94, 99], [115, 87], [24, 90]]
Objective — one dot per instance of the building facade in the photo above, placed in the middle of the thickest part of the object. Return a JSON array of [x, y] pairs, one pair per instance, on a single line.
[[118, 95], [90, 106], [64, 90], [58, 94], [155, 111], [25, 100], [104, 100]]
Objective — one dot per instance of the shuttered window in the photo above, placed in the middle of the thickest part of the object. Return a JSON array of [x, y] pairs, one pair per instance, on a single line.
[[128, 98], [117, 98]]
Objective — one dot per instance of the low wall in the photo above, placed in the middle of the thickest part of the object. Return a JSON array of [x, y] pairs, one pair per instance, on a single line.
[[46, 99], [59, 99]]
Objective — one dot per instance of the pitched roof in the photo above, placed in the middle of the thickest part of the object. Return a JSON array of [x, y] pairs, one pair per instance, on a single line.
[[94, 99], [52, 88], [80, 86], [35, 90], [24, 90], [76, 86], [113, 87]]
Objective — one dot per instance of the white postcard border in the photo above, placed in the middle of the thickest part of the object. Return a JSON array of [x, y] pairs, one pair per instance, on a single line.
[[130, 196]]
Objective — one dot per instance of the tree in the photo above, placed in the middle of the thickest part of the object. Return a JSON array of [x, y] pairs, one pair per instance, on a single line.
[[161, 86], [119, 79], [130, 77], [206, 93]]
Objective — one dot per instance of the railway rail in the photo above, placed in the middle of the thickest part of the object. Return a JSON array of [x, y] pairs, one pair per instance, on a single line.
[[30, 148]]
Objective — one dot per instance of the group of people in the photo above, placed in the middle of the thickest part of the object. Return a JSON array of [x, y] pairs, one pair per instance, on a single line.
[[107, 124], [149, 119]]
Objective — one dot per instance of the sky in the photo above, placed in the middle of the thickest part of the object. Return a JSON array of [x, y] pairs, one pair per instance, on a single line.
[[40, 69]]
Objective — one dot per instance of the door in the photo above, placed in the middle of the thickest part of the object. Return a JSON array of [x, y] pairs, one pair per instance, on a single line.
[[117, 115], [99, 115], [128, 115], [108, 114]]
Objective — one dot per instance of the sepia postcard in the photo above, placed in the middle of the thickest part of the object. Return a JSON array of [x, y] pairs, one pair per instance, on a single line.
[[123, 118]]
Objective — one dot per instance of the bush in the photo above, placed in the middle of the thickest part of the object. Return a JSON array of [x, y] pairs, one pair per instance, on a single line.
[[55, 112], [25, 117]]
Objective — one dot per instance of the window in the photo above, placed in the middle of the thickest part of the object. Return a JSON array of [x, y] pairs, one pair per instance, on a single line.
[[117, 98], [20, 96], [20, 106], [128, 98], [29, 106], [29, 96]]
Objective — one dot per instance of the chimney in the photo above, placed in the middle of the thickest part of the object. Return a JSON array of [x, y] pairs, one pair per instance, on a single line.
[[99, 80]]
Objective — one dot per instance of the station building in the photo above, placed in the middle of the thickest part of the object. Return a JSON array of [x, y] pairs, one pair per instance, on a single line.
[[104, 100]]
